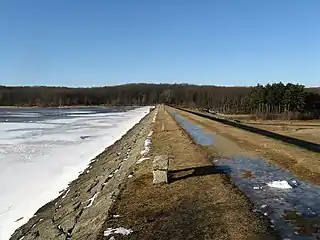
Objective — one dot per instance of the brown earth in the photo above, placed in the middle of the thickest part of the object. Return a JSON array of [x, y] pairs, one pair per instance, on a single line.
[[200, 202], [303, 163]]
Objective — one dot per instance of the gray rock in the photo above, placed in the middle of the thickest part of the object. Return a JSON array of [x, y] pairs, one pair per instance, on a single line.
[[160, 176], [160, 169], [161, 162]]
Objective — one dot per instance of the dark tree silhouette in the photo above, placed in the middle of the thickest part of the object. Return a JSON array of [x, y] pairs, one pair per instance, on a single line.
[[270, 101]]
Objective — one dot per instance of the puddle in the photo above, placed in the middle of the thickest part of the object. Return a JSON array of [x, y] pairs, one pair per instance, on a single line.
[[294, 212], [194, 130]]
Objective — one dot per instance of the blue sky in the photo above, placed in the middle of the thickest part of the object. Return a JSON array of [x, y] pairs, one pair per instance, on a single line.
[[108, 42]]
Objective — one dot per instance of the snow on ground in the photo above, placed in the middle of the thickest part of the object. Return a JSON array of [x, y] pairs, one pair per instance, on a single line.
[[39, 159], [119, 230], [147, 144], [142, 160], [91, 200], [155, 116], [65, 194], [279, 184]]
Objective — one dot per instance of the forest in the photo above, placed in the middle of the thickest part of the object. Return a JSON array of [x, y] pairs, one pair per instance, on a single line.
[[271, 101]]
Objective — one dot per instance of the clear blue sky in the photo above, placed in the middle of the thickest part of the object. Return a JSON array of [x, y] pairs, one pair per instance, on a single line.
[[108, 42]]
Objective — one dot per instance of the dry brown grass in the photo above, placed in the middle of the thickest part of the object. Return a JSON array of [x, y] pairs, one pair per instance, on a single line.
[[199, 203], [304, 130], [308, 130]]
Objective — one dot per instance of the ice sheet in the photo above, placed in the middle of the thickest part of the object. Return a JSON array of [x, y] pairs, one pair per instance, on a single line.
[[37, 160]]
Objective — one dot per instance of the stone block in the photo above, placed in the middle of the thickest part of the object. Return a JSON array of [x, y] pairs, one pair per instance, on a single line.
[[160, 169], [160, 176], [161, 162]]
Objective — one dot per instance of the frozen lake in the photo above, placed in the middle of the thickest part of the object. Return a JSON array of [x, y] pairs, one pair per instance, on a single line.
[[42, 150]]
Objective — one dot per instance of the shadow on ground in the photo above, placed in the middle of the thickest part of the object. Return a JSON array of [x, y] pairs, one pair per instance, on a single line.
[[180, 174]]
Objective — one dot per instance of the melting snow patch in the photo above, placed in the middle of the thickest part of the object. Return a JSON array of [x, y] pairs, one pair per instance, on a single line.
[[150, 134], [119, 230], [155, 116], [112, 238], [147, 142], [144, 152], [91, 200], [130, 176], [116, 216], [279, 184], [65, 194], [142, 160]]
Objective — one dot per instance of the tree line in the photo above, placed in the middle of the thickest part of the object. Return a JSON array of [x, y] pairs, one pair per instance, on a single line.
[[268, 101]]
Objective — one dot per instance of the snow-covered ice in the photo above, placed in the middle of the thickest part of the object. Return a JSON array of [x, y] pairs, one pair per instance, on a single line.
[[38, 159]]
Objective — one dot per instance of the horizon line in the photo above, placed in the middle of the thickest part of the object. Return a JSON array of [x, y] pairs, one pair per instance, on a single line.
[[150, 83]]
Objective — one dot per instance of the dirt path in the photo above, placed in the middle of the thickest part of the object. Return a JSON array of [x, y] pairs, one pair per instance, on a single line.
[[303, 163], [199, 203]]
